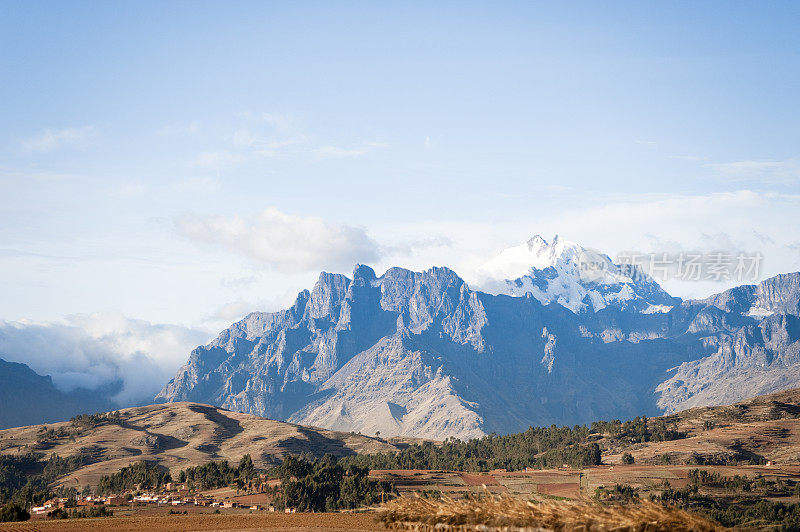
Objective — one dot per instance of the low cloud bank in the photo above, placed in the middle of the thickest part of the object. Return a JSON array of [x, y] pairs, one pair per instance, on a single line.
[[95, 350]]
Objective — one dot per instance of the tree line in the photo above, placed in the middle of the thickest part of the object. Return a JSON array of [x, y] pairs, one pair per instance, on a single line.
[[326, 484], [140, 476], [218, 474], [25, 481], [535, 448]]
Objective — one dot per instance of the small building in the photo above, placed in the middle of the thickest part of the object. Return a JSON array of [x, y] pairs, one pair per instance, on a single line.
[[86, 502]]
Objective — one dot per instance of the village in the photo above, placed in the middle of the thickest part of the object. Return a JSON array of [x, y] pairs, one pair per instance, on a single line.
[[173, 495]]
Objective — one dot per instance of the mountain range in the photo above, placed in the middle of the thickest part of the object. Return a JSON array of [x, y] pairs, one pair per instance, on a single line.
[[547, 341]]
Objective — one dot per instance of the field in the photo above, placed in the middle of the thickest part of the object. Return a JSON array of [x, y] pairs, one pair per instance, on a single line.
[[546, 485], [503, 514], [322, 522], [569, 483]]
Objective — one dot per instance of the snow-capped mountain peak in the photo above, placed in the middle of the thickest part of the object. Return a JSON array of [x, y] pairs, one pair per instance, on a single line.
[[566, 273], [536, 253]]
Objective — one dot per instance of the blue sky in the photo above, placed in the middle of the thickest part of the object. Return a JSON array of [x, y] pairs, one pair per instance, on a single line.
[[185, 162]]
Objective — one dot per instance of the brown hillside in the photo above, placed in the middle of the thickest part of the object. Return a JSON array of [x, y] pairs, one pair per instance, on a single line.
[[178, 435], [765, 427]]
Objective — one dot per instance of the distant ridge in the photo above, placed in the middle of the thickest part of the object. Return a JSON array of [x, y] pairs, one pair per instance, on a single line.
[[28, 398]]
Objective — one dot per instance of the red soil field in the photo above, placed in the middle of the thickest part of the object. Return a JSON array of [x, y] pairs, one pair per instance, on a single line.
[[323, 522], [479, 480]]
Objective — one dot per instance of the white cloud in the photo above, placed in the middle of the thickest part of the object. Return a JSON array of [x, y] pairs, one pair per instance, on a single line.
[[255, 136], [787, 171], [54, 139], [93, 350], [238, 282], [196, 185], [690, 158], [258, 136], [179, 130], [411, 247], [287, 242], [232, 311], [218, 159], [338, 152], [248, 140], [278, 122], [129, 189]]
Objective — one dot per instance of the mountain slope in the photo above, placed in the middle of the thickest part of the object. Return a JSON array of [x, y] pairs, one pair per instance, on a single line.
[[760, 356], [28, 398], [177, 436], [765, 427]]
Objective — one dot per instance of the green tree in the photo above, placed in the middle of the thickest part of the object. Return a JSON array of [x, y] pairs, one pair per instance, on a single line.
[[13, 512], [246, 469], [627, 458]]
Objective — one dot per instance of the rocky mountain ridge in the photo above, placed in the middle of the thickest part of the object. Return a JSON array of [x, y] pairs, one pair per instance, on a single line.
[[421, 354]]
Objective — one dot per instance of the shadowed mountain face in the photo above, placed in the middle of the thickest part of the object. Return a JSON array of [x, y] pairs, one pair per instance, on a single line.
[[422, 354], [27, 398]]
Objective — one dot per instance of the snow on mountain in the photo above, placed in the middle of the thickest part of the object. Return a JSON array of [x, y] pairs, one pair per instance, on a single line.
[[570, 275]]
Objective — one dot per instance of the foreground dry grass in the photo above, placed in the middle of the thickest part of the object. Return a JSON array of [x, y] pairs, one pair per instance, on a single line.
[[508, 513], [207, 522]]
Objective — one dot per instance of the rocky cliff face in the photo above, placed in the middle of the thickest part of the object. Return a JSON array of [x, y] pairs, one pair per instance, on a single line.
[[421, 354], [331, 358]]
